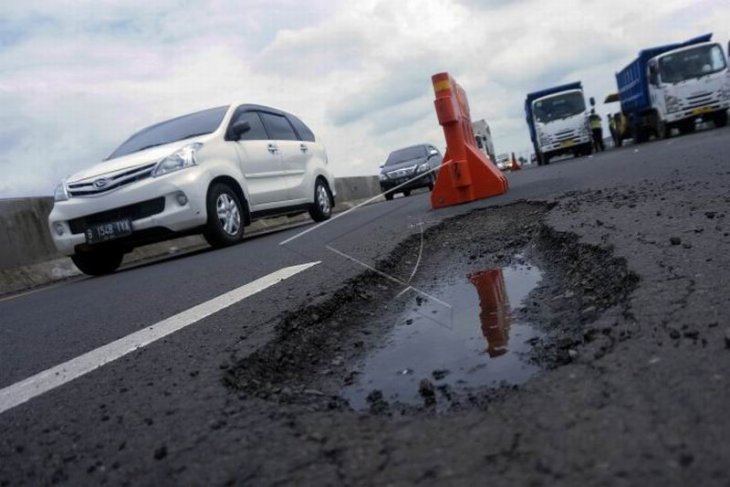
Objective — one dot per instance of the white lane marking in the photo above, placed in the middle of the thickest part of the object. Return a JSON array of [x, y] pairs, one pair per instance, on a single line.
[[49, 379]]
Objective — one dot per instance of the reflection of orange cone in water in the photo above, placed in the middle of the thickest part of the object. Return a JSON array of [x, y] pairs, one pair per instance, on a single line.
[[494, 306]]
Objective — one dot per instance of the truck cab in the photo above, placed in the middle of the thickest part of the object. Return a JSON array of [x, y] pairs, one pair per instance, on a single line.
[[558, 122], [689, 83], [673, 86]]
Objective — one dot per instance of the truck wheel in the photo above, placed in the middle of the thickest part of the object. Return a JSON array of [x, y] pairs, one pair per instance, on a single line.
[[225, 216], [663, 131], [720, 119], [545, 159], [321, 210], [98, 262], [687, 127]]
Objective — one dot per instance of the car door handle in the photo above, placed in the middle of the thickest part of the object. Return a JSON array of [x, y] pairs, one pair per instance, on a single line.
[[273, 148], [303, 147]]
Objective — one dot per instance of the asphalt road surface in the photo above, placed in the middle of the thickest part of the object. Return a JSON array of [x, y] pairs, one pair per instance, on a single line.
[[641, 400]]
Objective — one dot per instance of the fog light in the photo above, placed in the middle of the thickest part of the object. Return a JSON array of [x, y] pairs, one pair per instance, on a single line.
[[58, 227], [182, 200]]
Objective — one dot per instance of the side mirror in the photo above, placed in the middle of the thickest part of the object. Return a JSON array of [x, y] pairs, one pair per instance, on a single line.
[[433, 152], [593, 101], [653, 75], [240, 128]]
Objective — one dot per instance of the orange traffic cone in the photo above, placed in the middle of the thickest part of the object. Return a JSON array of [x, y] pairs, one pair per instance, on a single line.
[[515, 165]]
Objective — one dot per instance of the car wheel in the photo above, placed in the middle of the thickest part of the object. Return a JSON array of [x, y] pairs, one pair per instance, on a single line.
[[225, 216], [388, 196], [431, 183], [406, 193], [321, 210], [98, 262]]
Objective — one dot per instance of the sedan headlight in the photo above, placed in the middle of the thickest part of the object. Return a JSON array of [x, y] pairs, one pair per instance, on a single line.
[[180, 159], [383, 177], [672, 103], [423, 167], [61, 193]]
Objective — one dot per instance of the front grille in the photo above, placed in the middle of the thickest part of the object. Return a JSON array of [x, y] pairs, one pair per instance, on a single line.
[[102, 184], [565, 135], [401, 173], [133, 212], [699, 100]]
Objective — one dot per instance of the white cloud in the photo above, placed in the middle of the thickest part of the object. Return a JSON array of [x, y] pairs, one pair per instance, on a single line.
[[77, 77]]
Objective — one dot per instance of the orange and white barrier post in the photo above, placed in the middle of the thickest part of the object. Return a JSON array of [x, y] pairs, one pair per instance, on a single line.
[[466, 173]]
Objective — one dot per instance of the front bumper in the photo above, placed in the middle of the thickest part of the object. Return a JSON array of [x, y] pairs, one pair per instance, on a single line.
[[698, 112], [568, 145], [410, 182], [68, 219]]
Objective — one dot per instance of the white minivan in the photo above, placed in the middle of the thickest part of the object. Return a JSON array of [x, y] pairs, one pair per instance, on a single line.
[[209, 172]]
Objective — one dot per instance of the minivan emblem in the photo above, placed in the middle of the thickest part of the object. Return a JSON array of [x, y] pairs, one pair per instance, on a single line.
[[101, 183]]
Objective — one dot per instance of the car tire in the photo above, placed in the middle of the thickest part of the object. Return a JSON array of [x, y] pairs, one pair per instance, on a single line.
[[388, 196], [407, 193], [431, 183], [225, 216], [98, 262], [321, 209]]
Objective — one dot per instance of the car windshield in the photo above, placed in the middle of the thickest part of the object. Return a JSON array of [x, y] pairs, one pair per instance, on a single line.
[[407, 154], [560, 106], [692, 63], [198, 123]]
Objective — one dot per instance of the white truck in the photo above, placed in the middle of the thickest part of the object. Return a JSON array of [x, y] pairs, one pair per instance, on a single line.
[[558, 121], [484, 137], [673, 86]]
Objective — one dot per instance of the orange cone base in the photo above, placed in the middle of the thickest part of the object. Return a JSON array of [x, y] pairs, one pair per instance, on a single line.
[[464, 181]]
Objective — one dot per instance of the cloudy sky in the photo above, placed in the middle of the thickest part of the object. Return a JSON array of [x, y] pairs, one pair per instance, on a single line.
[[77, 77]]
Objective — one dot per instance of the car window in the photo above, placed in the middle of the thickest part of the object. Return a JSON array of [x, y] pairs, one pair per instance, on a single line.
[[303, 130], [180, 128], [278, 127], [257, 131], [407, 154]]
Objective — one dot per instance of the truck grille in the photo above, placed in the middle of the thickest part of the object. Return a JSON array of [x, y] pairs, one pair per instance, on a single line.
[[102, 184], [564, 135], [133, 212], [699, 100]]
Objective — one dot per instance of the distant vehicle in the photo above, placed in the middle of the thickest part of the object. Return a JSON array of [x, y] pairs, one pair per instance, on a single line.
[[503, 162], [410, 165], [209, 172], [673, 86], [483, 136], [558, 122]]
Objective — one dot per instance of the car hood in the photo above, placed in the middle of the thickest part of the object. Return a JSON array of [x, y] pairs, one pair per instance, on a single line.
[[133, 160], [403, 164]]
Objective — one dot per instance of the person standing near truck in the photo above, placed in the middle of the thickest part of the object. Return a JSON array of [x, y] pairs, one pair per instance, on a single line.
[[612, 128], [595, 121]]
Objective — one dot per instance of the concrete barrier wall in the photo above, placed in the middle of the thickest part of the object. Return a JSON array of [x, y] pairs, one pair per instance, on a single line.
[[25, 237]]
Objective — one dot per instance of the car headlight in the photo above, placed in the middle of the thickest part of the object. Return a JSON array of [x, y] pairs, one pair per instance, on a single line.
[[383, 177], [672, 103], [543, 138], [61, 193], [424, 167], [180, 159]]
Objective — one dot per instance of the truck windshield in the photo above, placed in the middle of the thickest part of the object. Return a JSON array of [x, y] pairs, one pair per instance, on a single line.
[[407, 154], [198, 123], [692, 63], [560, 106]]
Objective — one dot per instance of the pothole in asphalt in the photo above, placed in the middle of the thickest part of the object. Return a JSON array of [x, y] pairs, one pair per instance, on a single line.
[[467, 332], [495, 334]]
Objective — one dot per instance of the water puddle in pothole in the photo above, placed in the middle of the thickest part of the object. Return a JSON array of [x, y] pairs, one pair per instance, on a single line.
[[464, 335]]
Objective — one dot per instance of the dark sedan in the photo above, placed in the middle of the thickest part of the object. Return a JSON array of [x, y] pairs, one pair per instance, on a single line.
[[408, 169]]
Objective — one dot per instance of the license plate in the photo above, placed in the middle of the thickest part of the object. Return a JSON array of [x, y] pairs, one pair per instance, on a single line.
[[567, 143], [701, 110], [108, 231]]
